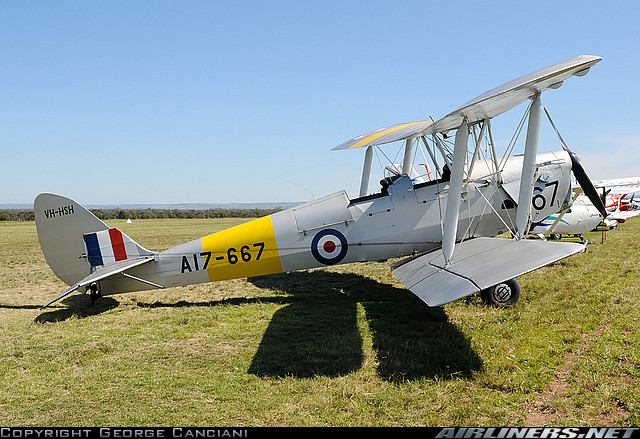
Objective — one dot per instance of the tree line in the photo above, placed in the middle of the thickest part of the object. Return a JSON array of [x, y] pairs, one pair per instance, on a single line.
[[107, 214]]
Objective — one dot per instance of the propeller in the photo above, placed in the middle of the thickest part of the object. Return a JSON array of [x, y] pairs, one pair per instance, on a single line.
[[603, 197], [580, 174]]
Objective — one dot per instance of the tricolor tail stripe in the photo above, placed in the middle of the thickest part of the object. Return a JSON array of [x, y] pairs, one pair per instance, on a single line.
[[119, 252], [108, 246], [93, 249]]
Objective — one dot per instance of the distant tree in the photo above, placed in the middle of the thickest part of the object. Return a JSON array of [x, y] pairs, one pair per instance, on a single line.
[[117, 213]]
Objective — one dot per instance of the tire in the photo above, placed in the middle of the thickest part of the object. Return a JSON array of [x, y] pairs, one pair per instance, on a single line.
[[504, 294]]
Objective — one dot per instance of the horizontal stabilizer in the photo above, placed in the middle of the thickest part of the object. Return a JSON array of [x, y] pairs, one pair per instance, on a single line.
[[100, 274], [478, 264]]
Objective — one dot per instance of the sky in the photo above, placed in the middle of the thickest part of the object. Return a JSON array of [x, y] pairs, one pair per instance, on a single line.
[[129, 102]]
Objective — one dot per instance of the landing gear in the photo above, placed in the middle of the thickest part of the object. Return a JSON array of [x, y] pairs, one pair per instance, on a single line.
[[504, 294], [94, 292]]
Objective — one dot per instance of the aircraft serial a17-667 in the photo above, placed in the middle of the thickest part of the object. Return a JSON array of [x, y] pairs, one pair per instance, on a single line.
[[447, 225]]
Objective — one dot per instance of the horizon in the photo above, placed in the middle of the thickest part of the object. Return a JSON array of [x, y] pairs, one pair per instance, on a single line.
[[179, 206]]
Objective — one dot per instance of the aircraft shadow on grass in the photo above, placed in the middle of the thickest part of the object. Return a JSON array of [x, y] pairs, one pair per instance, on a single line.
[[79, 306], [316, 331], [317, 334]]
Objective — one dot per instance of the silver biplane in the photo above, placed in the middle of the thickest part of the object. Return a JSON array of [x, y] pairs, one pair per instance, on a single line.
[[619, 195], [446, 225]]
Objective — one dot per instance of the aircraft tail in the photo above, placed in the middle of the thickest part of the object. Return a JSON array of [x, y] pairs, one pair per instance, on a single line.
[[75, 242]]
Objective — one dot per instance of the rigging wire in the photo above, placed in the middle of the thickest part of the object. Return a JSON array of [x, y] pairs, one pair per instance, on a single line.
[[514, 139]]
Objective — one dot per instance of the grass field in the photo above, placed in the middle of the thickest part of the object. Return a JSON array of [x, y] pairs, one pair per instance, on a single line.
[[345, 346]]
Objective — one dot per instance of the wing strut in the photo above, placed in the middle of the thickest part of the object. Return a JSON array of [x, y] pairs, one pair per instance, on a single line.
[[455, 190], [523, 214], [366, 171], [408, 156]]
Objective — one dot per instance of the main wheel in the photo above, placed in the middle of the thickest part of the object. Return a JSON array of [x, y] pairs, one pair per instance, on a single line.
[[504, 294]]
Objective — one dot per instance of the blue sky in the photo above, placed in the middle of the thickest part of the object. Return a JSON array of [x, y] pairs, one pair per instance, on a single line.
[[112, 102]]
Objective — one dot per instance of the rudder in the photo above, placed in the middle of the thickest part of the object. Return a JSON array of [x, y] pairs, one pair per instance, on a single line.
[[74, 240]]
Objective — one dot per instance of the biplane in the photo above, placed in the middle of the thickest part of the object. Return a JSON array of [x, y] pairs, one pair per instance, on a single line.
[[620, 198], [448, 226]]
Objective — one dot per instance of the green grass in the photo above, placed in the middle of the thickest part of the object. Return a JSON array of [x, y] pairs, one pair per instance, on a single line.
[[345, 346]]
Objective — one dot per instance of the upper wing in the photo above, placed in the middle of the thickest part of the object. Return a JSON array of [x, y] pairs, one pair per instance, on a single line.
[[478, 263], [490, 104], [386, 135], [511, 94], [623, 189], [102, 273], [631, 181]]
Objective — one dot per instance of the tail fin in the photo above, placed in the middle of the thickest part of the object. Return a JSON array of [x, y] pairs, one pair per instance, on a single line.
[[74, 241]]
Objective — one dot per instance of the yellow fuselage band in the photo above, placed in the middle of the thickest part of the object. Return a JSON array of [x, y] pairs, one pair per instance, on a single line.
[[245, 250]]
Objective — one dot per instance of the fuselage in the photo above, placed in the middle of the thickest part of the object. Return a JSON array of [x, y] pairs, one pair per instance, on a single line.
[[580, 218], [402, 219]]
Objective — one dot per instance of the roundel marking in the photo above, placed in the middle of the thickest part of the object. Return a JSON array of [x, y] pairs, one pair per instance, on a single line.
[[329, 246]]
